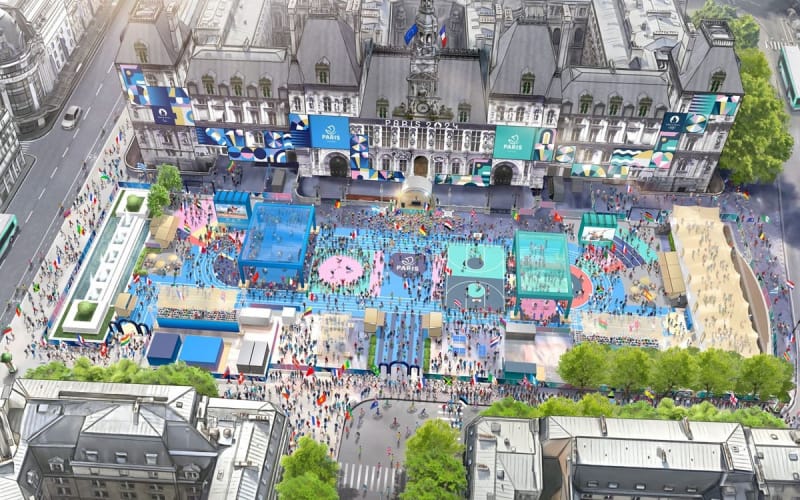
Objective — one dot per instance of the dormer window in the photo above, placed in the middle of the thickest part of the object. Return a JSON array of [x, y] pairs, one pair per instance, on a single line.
[[141, 52], [526, 86], [464, 112], [323, 71], [237, 85], [382, 108], [265, 84], [614, 105], [56, 464], [717, 79], [151, 458], [91, 455], [208, 84], [644, 106], [585, 104]]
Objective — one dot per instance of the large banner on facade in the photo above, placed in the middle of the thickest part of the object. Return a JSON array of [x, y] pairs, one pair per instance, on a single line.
[[169, 105], [330, 132], [300, 130], [513, 143], [248, 145]]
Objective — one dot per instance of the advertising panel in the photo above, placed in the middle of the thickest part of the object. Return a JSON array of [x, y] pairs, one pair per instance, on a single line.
[[330, 132], [544, 147], [228, 211], [298, 127], [169, 105], [631, 158], [591, 234], [359, 152], [247, 145], [673, 122], [514, 143]]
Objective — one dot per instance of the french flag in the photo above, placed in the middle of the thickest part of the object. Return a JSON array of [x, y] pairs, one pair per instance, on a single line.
[[790, 284], [443, 36], [495, 341], [473, 380]]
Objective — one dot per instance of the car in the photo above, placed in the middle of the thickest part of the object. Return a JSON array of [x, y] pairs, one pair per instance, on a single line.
[[71, 117]]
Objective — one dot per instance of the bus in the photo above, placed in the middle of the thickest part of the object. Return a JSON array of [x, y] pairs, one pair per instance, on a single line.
[[789, 69], [8, 231]]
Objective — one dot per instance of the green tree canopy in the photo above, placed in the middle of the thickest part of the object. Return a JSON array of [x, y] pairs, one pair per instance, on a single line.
[[307, 486], [157, 199], [630, 369], [673, 369], [170, 177], [584, 365], [127, 372], [717, 370], [759, 143], [765, 376], [433, 462], [745, 29], [510, 407], [310, 457]]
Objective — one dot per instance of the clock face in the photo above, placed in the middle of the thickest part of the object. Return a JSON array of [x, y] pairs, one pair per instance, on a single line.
[[423, 107]]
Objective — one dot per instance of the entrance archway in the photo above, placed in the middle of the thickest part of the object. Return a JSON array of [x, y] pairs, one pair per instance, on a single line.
[[421, 166], [503, 174], [339, 166]]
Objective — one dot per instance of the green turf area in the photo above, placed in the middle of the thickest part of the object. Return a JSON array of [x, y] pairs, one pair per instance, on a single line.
[[426, 363], [60, 334], [138, 269], [373, 346]]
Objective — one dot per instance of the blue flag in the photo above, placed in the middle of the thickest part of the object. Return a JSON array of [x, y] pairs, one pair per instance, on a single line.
[[373, 405], [412, 31]]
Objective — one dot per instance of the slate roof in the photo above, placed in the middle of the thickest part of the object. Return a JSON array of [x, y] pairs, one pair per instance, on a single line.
[[705, 59], [601, 84], [460, 81], [252, 65], [332, 39], [524, 47], [156, 36]]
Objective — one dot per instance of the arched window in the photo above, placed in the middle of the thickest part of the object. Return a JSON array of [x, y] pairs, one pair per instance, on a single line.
[[141, 52], [578, 38], [265, 85], [500, 113], [557, 36], [208, 84], [327, 105], [463, 112], [644, 106], [717, 80], [296, 103], [346, 105], [551, 117], [382, 108], [323, 70], [455, 167], [585, 104], [614, 105], [237, 85], [520, 114], [192, 88], [526, 85]]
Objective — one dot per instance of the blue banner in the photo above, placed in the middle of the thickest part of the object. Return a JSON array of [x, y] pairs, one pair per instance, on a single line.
[[411, 33], [330, 132]]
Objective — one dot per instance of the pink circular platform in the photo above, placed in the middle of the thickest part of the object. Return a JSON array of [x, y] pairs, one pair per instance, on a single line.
[[340, 270]]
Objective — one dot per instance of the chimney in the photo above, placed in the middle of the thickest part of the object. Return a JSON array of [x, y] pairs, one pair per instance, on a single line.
[[563, 46], [136, 412]]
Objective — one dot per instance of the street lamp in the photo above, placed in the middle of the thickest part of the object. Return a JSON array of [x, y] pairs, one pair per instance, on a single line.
[[6, 358]]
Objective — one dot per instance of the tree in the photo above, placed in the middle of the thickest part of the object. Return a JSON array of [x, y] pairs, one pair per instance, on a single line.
[[433, 462], [584, 365], [595, 405], [764, 376], [754, 63], [630, 369], [559, 406], [745, 29], [310, 457], [128, 372], [759, 143], [510, 407], [157, 199], [673, 369], [170, 177], [717, 370], [305, 487]]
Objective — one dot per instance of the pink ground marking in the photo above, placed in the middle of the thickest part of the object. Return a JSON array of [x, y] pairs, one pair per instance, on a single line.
[[377, 271], [436, 272], [538, 309], [338, 264]]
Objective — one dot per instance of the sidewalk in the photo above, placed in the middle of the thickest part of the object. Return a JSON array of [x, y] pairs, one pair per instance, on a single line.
[[48, 292]]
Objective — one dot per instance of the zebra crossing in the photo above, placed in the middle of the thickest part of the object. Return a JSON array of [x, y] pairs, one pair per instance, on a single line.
[[355, 476], [777, 44], [25, 146]]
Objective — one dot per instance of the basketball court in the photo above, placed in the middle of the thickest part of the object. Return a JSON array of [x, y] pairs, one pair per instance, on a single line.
[[477, 277]]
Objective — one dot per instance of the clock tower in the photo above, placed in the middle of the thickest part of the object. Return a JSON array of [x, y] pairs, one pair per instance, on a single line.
[[423, 80]]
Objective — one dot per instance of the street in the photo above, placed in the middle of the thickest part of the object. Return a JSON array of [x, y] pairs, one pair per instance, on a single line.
[[59, 155]]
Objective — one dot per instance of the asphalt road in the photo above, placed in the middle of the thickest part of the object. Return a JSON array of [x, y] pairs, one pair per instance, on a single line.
[[59, 155]]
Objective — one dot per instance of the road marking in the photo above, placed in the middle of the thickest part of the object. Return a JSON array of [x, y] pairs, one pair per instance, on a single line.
[[28, 217], [110, 68], [87, 112], [42, 193], [76, 132], [53, 173], [65, 152], [98, 90]]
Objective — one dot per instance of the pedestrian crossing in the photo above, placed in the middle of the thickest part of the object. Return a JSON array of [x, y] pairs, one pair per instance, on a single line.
[[777, 44], [25, 146], [375, 478]]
